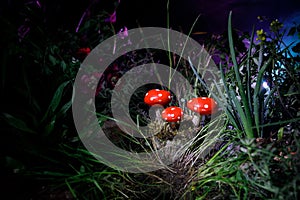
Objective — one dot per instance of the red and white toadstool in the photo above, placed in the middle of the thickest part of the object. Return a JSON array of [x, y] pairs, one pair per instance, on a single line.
[[202, 105], [157, 96], [172, 114]]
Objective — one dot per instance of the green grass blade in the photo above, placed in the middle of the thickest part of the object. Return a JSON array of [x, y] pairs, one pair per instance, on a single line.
[[246, 122], [248, 66], [256, 102], [17, 123], [247, 114], [229, 109]]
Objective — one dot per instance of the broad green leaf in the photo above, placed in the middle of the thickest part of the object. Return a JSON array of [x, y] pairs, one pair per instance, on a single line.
[[280, 133], [12, 163], [63, 65], [82, 169], [53, 60], [64, 108], [17, 123], [57, 96], [238, 176], [50, 126]]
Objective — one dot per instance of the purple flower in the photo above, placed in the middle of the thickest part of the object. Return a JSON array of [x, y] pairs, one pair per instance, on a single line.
[[38, 4], [123, 33], [112, 18], [24, 29]]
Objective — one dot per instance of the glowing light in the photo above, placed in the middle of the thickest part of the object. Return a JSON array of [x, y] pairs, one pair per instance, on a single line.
[[265, 85]]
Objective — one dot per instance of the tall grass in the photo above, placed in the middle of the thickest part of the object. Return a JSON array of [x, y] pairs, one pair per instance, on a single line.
[[244, 168]]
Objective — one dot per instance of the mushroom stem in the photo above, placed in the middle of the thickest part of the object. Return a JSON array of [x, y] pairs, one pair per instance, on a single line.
[[202, 121], [158, 115], [173, 125], [196, 120], [155, 113]]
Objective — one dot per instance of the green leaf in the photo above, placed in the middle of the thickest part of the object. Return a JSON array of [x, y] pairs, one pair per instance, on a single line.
[[64, 108], [57, 96], [256, 103], [82, 169], [238, 176], [280, 133], [53, 60], [17, 123], [63, 65], [245, 116], [55, 100], [50, 126], [12, 163], [54, 49]]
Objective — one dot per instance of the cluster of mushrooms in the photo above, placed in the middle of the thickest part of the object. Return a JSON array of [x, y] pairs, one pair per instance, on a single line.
[[174, 114]]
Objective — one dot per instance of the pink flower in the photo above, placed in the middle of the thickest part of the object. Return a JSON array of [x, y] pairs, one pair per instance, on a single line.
[[112, 18], [123, 33]]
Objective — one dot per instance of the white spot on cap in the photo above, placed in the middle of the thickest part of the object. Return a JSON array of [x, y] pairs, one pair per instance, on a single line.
[[157, 90], [160, 94], [195, 108], [206, 106], [190, 101], [152, 98], [169, 97], [163, 111], [178, 117], [147, 94], [159, 100], [172, 108], [203, 98]]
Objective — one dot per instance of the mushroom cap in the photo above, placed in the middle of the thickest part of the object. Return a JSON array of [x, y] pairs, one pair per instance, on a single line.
[[202, 105], [157, 96], [172, 114]]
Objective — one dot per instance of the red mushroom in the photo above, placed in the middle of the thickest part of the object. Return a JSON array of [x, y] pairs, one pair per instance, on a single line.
[[156, 96], [172, 114], [202, 105]]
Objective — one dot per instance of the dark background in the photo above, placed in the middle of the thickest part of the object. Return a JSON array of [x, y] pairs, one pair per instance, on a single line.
[[134, 13], [213, 13]]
